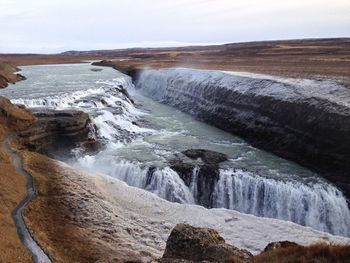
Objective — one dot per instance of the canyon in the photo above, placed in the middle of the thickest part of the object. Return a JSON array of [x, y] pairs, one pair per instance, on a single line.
[[306, 121], [109, 128]]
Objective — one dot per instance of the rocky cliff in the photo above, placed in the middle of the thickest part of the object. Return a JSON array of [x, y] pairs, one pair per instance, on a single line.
[[307, 121], [8, 75], [56, 132], [199, 169]]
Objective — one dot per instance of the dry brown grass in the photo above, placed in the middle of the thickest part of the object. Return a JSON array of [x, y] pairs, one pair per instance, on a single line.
[[12, 191], [317, 253], [315, 58]]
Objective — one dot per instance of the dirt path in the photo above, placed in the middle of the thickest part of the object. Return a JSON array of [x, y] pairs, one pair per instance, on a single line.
[[38, 254]]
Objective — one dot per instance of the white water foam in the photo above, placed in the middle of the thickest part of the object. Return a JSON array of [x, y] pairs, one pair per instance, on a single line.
[[165, 182], [322, 207]]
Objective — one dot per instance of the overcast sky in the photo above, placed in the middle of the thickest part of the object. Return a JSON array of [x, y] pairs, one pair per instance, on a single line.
[[50, 26]]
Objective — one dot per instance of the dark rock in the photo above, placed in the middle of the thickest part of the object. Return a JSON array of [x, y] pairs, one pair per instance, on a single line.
[[199, 167], [149, 175], [90, 146], [208, 156], [20, 77], [200, 244], [96, 69], [57, 132], [123, 134], [105, 103], [125, 92], [280, 244]]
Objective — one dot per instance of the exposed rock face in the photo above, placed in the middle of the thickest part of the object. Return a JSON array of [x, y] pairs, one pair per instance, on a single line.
[[305, 121], [280, 244], [58, 132], [7, 74], [15, 117], [3, 82], [200, 244], [199, 169]]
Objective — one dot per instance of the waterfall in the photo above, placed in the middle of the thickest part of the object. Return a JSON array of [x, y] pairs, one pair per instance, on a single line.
[[194, 182], [322, 207], [164, 182], [306, 121], [319, 206]]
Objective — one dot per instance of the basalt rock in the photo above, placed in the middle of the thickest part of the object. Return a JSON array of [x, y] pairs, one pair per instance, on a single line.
[[58, 132], [207, 156], [200, 245], [199, 169], [90, 146], [307, 121]]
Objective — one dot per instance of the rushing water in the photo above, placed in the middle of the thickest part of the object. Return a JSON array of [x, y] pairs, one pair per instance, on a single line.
[[148, 134]]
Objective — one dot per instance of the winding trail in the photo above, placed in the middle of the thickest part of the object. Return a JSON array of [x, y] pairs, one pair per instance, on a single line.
[[38, 254]]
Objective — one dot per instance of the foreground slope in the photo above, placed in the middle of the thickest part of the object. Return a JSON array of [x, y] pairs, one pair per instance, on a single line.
[[12, 184], [84, 217]]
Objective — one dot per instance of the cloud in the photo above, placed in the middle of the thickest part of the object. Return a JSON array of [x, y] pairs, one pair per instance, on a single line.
[[57, 25]]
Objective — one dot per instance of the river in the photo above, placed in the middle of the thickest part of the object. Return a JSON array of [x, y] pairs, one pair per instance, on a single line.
[[148, 134]]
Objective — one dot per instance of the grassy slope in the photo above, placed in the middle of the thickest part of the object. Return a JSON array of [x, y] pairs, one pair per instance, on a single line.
[[12, 186], [317, 253]]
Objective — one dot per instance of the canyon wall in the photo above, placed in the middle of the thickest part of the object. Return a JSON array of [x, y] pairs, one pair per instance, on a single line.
[[307, 121]]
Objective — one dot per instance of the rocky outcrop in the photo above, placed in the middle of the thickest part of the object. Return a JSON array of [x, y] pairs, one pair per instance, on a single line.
[[199, 169], [279, 244], [14, 117], [305, 121], [57, 132], [198, 245], [7, 74]]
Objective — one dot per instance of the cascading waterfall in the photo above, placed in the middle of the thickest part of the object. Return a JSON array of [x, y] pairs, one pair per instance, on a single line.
[[319, 206], [194, 181], [165, 182]]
